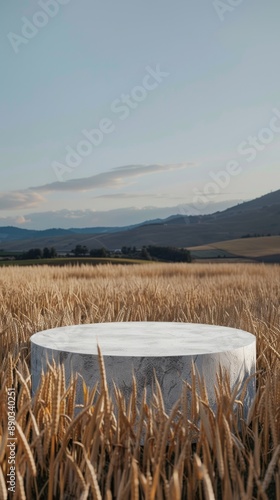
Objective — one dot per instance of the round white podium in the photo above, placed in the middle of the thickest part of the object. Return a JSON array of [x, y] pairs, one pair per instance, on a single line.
[[167, 349]]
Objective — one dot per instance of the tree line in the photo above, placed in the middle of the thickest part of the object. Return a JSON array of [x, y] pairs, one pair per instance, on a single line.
[[38, 253], [151, 252]]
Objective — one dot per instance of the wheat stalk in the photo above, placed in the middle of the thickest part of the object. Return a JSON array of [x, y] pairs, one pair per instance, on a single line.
[[93, 480], [3, 488], [204, 476], [240, 295], [271, 468]]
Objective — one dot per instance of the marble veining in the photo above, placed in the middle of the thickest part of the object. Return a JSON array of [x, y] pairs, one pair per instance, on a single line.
[[144, 339], [145, 348]]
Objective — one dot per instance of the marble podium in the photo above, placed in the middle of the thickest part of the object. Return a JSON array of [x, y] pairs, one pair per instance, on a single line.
[[168, 349]]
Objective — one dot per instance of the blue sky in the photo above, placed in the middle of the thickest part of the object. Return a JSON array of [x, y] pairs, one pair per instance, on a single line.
[[115, 112]]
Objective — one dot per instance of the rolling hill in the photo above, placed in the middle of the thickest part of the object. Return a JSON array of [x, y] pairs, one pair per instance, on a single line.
[[260, 216], [266, 249]]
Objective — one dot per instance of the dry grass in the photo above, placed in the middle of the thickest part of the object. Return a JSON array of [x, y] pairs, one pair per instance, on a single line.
[[100, 452], [245, 247]]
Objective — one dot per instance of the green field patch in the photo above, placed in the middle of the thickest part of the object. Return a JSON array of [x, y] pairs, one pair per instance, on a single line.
[[72, 261], [212, 254]]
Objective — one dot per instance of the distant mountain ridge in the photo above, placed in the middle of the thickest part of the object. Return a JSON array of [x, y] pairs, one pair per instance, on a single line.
[[258, 216], [12, 233]]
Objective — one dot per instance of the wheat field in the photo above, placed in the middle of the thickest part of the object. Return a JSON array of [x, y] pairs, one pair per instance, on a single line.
[[190, 453]]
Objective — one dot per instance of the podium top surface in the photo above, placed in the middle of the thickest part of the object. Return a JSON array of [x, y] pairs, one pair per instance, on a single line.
[[143, 339]]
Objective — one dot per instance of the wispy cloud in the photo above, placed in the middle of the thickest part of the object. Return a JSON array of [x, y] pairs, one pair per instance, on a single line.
[[15, 200], [132, 196], [116, 177], [93, 218], [17, 220]]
